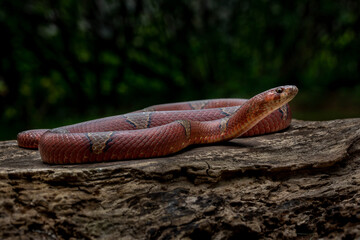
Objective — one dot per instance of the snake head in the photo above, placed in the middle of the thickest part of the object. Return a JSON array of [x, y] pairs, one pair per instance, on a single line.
[[279, 95], [257, 108], [266, 102]]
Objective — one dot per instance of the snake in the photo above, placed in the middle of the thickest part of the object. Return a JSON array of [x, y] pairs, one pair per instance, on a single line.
[[163, 129]]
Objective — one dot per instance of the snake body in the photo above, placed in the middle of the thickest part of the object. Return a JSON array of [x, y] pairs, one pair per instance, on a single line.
[[162, 129]]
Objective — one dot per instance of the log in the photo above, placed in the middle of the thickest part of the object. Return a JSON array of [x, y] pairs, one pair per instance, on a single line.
[[302, 183]]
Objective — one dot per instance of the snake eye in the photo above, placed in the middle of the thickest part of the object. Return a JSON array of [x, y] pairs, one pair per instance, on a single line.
[[279, 90]]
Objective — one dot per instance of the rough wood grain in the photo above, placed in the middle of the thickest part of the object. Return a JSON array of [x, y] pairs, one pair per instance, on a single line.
[[300, 183]]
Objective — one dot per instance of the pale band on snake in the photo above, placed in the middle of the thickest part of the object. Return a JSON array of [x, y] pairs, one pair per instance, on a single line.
[[164, 129]]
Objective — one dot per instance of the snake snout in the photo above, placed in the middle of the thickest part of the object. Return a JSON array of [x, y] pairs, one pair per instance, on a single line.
[[291, 91]]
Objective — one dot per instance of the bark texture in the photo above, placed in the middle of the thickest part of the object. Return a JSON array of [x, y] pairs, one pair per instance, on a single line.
[[300, 183]]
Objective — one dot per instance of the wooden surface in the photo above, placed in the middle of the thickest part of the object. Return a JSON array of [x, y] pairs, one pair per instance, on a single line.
[[302, 182]]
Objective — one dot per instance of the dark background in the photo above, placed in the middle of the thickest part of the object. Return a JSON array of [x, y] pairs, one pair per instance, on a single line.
[[63, 62]]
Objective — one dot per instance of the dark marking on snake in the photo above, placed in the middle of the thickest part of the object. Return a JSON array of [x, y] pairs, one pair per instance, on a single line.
[[228, 111], [59, 130], [149, 109], [223, 111], [141, 121], [129, 121], [284, 112], [99, 141], [91, 144], [107, 146], [149, 120], [197, 105], [224, 124], [187, 127]]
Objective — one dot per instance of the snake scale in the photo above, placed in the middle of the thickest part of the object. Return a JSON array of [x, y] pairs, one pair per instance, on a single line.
[[162, 129]]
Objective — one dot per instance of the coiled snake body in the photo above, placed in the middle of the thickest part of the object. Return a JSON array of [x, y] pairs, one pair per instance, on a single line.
[[163, 129]]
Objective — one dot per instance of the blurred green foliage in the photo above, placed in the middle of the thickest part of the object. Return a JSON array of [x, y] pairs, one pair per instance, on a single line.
[[67, 61]]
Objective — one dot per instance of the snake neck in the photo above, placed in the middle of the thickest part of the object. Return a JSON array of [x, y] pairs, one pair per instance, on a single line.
[[242, 120]]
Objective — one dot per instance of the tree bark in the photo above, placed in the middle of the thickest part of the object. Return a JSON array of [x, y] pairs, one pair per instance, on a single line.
[[300, 183]]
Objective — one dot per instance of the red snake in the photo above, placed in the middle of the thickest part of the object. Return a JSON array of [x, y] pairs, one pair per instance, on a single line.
[[162, 129]]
